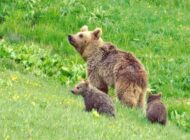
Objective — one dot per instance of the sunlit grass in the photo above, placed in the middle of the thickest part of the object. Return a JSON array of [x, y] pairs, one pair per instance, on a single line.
[[33, 108]]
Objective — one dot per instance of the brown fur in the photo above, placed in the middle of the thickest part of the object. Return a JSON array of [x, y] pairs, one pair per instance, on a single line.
[[156, 111], [108, 66], [94, 98]]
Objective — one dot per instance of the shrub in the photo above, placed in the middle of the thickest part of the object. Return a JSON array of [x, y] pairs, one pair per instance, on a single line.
[[42, 63]]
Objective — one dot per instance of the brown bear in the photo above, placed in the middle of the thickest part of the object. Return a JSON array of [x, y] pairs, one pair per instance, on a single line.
[[156, 111], [94, 98], [108, 66]]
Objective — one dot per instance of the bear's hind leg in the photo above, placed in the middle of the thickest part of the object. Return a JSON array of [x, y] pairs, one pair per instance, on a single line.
[[129, 99], [141, 101], [127, 94]]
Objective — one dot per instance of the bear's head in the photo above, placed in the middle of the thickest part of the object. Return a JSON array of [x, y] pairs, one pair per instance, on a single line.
[[85, 41], [81, 88], [153, 97]]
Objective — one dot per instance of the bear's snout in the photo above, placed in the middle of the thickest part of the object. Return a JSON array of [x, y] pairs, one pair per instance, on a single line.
[[72, 91], [70, 38]]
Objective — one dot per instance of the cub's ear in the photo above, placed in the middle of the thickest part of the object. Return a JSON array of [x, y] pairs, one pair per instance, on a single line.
[[97, 33], [84, 28]]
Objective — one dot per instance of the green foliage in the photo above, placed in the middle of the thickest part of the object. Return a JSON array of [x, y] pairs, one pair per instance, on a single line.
[[42, 63], [179, 113], [181, 119], [171, 3]]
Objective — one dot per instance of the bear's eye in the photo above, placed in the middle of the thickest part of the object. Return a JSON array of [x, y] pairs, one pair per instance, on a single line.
[[81, 35], [78, 87]]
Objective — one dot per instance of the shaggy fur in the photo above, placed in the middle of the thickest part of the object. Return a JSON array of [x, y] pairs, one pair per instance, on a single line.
[[156, 111], [94, 98], [108, 66]]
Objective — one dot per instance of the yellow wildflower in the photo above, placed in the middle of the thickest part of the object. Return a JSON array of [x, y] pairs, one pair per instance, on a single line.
[[14, 78], [95, 114], [15, 97], [7, 137]]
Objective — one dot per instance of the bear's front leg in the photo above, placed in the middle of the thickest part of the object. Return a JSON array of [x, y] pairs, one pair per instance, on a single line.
[[88, 108], [97, 82], [103, 87]]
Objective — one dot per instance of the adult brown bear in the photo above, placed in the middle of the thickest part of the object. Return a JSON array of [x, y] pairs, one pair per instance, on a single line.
[[108, 66]]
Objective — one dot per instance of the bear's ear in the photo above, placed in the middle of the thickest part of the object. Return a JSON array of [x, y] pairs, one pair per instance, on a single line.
[[84, 28], [86, 83], [97, 33], [159, 95]]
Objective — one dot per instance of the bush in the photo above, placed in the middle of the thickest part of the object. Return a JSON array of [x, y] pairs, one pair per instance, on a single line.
[[181, 119], [42, 63]]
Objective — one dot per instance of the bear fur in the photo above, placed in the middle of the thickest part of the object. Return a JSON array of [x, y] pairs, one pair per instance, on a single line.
[[156, 111], [108, 66], [94, 98]]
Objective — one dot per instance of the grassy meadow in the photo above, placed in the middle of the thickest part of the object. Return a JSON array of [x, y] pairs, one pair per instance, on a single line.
[[38, 67]]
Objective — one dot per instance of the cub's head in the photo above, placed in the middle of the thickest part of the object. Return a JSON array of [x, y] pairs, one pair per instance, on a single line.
[[108, 47], [85, 41], [152, 97], [80, 88]]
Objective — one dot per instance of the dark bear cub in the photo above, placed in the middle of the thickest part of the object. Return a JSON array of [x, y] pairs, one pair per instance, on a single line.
[[156, 111], [94, 98]]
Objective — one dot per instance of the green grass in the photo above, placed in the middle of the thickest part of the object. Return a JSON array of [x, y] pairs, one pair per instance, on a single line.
[[36, 108], [156, 31]]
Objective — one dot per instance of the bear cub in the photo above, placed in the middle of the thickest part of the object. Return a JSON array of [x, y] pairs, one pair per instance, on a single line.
[[156, 111], [94, 98]]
